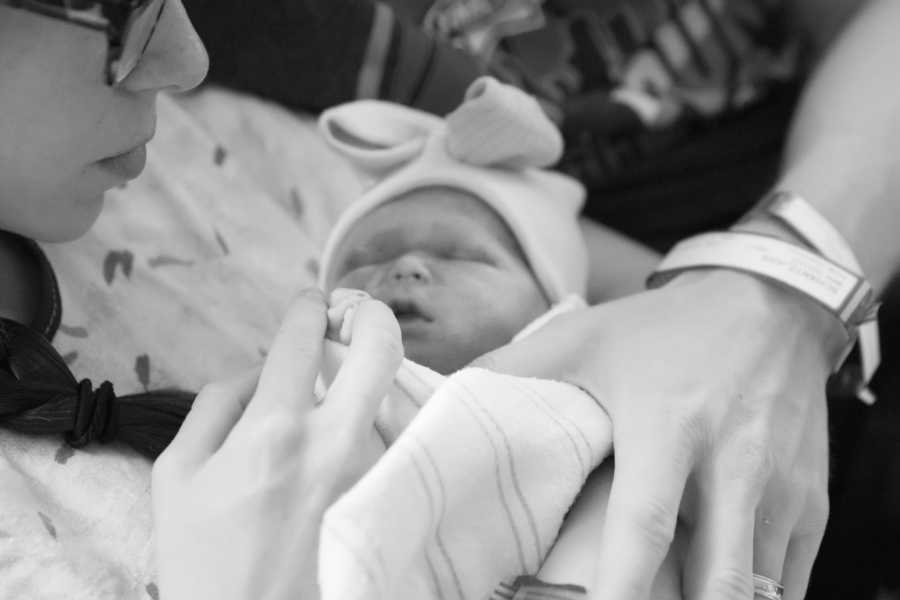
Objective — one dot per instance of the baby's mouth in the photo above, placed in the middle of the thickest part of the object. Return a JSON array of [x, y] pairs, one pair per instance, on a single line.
[[408, 311]]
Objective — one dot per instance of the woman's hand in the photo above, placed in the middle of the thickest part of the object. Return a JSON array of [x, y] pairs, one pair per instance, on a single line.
[[239, 495], [715, 387]]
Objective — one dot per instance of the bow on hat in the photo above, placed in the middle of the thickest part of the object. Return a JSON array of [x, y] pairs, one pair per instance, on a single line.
[[496, 126], [492, 147]]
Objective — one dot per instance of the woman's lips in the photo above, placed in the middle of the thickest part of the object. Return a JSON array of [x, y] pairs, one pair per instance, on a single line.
[[127, 165]]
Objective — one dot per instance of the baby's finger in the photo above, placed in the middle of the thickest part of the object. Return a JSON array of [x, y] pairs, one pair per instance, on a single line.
[[288, 376], [376, 351], [342, 304]]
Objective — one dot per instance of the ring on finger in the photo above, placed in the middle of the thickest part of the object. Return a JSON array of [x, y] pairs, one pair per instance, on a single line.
[[766, 588]]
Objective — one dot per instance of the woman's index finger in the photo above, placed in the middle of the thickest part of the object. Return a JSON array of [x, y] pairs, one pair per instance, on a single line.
[[289, 374], [369, 366]]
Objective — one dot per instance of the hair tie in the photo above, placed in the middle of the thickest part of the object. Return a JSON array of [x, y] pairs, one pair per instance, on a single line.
[[95, 415]]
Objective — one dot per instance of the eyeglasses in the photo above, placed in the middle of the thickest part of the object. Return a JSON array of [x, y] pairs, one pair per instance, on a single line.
[[129, 26]]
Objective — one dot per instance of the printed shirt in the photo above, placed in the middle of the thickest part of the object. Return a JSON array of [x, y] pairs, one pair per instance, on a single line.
[[625, 78]]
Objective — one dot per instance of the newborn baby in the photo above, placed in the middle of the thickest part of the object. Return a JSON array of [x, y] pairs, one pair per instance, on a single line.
[[471, 244], [463, 236], [449, 268]]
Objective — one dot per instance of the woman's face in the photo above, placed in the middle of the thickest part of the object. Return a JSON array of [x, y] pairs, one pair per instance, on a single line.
[[66, 137]]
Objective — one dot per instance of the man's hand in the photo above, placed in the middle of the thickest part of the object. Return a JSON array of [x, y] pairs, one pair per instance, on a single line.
[[716, 389]]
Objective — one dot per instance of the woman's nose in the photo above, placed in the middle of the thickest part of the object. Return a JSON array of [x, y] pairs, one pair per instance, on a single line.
[[175, 58], [409, 268]]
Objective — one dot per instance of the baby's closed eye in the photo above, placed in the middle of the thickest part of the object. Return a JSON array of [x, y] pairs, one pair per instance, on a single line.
[[456, 249]]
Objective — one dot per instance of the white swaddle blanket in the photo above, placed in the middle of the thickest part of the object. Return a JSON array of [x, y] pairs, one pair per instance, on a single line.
[[471, 492]]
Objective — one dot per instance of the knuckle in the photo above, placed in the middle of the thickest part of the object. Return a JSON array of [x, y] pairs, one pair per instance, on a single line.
[[280, 430], [754, 463], [693, 431], [655, 522]]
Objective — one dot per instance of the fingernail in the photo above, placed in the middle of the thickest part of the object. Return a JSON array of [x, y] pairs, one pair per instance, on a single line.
[[349, 294]]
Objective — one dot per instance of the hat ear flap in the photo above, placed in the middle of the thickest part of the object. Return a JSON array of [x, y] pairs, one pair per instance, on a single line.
[[377, 137]]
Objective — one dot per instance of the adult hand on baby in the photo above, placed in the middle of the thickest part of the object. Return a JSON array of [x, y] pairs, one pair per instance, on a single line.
[[715, 387], [239, 495]]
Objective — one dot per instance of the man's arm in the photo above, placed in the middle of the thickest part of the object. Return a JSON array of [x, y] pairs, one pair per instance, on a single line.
[[843, 153], [312, 54], [819, 25], [715, 383]]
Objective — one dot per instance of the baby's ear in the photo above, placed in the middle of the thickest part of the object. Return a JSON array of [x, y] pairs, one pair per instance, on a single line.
[[501, 126], [378, 137]]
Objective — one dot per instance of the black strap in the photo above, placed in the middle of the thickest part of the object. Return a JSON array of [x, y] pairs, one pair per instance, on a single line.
[[48, 311]]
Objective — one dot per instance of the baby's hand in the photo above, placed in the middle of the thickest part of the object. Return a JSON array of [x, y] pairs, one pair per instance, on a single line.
[[342, 305]]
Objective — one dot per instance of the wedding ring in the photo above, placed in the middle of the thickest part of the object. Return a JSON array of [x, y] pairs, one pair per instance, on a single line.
[[766, 588]]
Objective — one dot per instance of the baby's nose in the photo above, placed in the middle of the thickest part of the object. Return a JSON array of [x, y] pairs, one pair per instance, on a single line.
[[409, 268]]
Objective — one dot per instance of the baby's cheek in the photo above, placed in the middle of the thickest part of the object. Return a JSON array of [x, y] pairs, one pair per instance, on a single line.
[[487, 322], [531, 295], [520, 304]]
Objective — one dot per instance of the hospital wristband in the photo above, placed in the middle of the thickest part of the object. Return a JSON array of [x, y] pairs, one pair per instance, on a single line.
[[844, 294], [799, 217]]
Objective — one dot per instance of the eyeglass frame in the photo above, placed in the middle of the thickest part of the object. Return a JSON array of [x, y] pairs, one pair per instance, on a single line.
[[114, 18]]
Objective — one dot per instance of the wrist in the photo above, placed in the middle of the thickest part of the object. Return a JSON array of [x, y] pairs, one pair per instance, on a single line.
[[787, 216], [818, 320]]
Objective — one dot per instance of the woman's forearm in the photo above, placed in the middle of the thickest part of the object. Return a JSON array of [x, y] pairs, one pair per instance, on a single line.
[[843, 151]]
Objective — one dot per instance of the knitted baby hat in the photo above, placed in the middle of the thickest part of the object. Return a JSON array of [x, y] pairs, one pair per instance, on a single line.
[[493, 147]]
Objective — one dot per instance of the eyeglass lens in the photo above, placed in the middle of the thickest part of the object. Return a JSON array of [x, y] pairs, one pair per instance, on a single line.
[[136, 37]]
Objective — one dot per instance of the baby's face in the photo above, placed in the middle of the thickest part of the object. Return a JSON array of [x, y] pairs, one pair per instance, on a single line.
[[450, 270]]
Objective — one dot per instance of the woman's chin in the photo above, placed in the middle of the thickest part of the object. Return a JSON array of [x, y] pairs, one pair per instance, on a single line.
[[74, 226]]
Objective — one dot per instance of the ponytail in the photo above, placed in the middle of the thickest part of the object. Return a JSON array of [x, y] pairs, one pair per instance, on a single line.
[[40, 396]]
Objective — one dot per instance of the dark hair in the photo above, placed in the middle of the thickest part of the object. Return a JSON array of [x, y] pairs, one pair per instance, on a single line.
[[40, 396]]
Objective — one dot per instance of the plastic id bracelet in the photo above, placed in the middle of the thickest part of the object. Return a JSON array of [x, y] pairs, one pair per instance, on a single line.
[[804, 221], [844, 294]]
